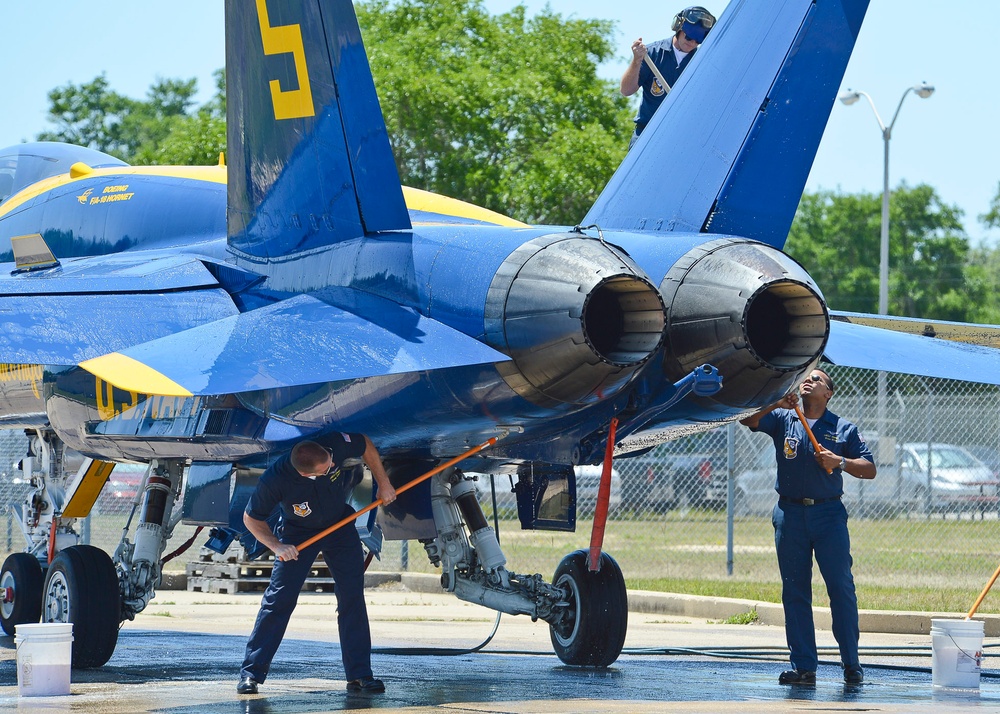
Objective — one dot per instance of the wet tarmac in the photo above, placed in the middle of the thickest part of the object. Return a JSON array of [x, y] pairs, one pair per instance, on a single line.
[[181, 656]]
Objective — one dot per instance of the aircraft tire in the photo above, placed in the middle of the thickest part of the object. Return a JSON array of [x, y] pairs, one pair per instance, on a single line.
[[594, 632], [82, 587], [22, 576]]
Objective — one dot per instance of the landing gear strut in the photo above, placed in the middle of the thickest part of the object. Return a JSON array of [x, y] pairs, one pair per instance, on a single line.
[[83, 584], [587, 612]]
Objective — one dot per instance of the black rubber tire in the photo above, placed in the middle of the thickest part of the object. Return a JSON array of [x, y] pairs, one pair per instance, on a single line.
[[82, 587], [22, 573], [592, 632]]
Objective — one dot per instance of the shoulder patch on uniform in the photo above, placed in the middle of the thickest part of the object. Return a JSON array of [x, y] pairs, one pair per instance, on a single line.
[[347, 437], [301, 509]]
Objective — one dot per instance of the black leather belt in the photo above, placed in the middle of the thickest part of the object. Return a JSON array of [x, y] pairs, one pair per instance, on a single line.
[[807, 501]]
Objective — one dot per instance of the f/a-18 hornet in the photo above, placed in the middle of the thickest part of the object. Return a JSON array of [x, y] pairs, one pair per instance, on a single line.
[[202, 320]]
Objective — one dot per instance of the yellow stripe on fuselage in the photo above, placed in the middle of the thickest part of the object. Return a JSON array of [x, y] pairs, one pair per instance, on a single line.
[[416, 199], [133, 376], [213, 174], [419, 200]]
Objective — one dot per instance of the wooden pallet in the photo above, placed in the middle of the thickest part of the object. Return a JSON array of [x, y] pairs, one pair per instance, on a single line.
[[230, 575]]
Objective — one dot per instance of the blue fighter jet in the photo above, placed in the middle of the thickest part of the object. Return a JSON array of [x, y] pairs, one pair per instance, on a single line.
[[203, 320]]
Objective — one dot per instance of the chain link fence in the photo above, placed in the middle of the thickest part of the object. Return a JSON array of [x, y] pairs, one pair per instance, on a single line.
[[693, 515]]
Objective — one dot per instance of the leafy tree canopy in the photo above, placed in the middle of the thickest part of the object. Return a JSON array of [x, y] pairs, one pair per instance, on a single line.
[[503, 110], [158, 130], [836, 237]]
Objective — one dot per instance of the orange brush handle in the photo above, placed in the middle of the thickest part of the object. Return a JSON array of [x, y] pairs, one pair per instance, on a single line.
[[982, 595], [406, 487], [805, 425]]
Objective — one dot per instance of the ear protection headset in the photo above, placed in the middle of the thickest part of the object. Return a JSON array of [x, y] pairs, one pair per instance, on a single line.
[[695, 15]]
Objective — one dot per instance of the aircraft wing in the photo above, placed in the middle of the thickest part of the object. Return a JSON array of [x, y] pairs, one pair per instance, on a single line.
[[856, 345], [90, 307], [974, 334], [298, 341]]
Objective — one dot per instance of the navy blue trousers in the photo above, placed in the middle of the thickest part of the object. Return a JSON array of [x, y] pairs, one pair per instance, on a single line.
[[345, 558], [799, 533]]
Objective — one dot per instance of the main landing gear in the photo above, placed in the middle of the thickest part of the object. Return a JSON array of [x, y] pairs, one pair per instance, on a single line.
[[58, 579], [587, 611]]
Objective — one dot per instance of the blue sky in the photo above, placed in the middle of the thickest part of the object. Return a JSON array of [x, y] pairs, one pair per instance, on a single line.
[[946, 141]]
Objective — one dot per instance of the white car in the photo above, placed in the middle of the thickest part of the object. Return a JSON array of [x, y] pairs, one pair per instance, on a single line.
[[946, 477], [924, 477]]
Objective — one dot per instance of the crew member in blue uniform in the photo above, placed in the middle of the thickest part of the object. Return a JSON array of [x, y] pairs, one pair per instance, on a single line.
[[671, 56], [312, 490], [810, 518]]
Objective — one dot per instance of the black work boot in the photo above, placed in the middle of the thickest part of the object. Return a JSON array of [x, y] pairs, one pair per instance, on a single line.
[[797, 676], [853, 674]]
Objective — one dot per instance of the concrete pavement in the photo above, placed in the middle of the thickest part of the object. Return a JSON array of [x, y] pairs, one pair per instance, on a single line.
[[181, 656]]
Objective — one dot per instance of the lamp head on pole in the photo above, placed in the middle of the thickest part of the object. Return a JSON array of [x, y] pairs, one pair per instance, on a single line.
[[924, 90], [850, 96]]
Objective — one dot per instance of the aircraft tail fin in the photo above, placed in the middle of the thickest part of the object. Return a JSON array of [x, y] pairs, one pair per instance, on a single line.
[[309, 157], [730, 148]]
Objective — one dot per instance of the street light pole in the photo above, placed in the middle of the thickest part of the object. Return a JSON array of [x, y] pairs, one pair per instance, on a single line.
[[849, 97], [922, 90]]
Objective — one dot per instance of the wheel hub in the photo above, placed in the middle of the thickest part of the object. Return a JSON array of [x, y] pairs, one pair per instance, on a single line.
[[57, 599], [566, 628]]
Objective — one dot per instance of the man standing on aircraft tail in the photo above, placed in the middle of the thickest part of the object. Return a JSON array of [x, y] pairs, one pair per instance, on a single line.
[[671, 56], [312, 490], [810, 518]]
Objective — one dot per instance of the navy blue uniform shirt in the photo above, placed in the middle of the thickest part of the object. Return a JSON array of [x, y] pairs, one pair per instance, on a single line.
[[662, 54], [799, 474], [308, 506]]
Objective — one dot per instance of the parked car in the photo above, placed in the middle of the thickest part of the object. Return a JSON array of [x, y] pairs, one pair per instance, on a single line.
[[989, 455], [947, 477], [686, 472], [588, 479], [955, 481], [121, 488], [753, 492]]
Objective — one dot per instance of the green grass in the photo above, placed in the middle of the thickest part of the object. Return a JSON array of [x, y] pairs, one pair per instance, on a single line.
[[899, 564], [744, 618]]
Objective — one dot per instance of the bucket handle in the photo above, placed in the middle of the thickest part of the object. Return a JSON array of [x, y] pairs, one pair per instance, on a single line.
[[952, 638]]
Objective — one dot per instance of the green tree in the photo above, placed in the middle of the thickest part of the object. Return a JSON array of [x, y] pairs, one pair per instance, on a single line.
[[991, 219], [984, 268], [93, 115], [504, 111], [836, 237], [192, 140]]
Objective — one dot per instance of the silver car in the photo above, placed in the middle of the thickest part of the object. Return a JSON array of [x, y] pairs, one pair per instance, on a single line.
[[925, 477], [946, 477]]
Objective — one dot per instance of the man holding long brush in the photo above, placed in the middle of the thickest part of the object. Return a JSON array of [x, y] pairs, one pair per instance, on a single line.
[[312, 489], [669, 56], [810, 518]]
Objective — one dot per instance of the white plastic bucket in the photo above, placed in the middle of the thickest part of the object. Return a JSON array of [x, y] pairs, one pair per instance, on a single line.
[[44, 656], [956, 653]]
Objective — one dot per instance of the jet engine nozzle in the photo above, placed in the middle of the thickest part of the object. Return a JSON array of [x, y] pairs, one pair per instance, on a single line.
[[577, 317], [748, 309]]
